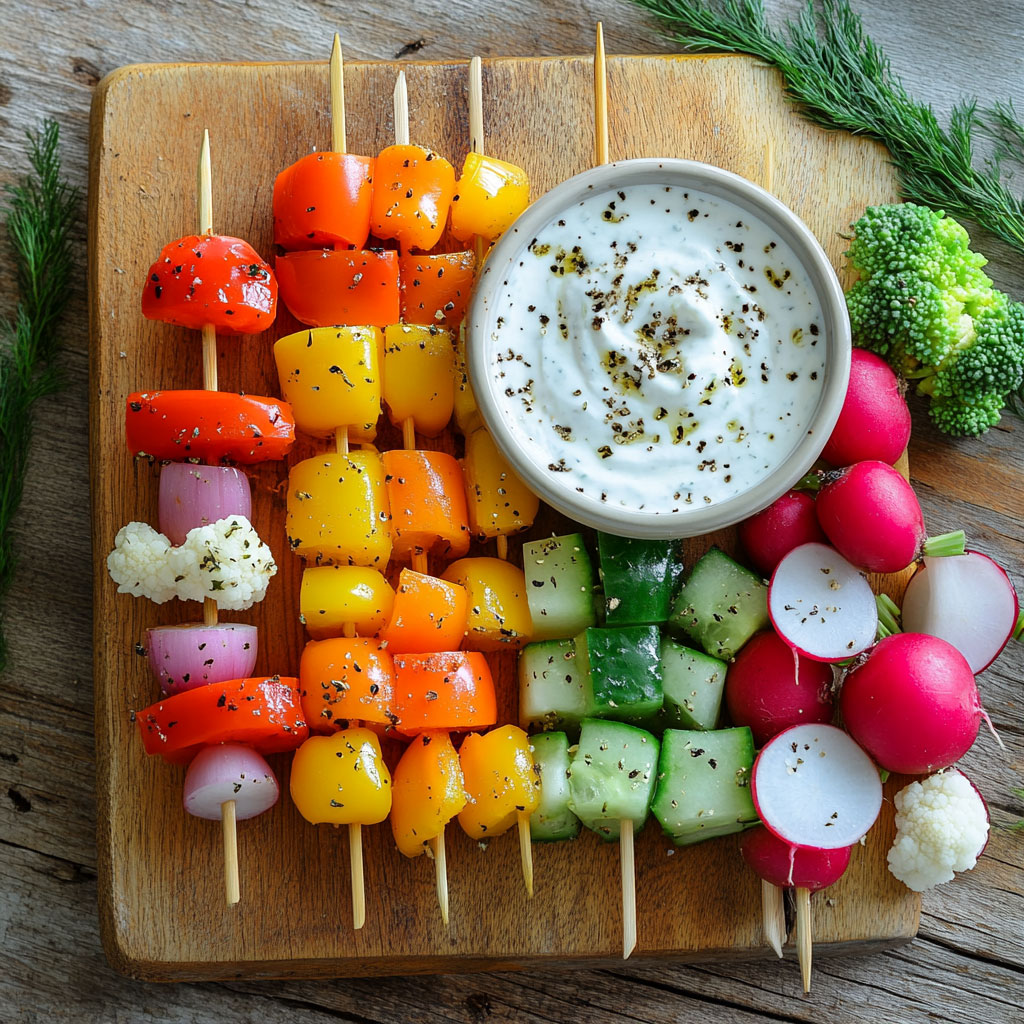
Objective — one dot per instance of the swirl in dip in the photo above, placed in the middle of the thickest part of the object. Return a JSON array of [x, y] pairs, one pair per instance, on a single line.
[[656, 348]]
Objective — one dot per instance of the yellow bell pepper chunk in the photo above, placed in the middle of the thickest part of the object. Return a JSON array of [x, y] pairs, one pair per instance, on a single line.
[[428, 791], [332, 597], [467, 412], [498, 617], [341, 779], [338, 509], [498, 502], [490, 195], [501, 781], [331, 376], [419, 367]]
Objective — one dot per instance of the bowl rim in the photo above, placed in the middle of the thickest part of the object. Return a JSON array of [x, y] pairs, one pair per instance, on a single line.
[[717, 182]]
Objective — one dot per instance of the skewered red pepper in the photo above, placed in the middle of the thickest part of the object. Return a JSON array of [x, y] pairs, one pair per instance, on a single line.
[[211, 279], [263, 712], [323, 200], [412, 191], [322, 287], [449, 690], [434, 289], [213, 426]]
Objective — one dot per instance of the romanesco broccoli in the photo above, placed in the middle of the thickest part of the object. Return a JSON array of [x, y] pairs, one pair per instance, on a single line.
[[925, 305]]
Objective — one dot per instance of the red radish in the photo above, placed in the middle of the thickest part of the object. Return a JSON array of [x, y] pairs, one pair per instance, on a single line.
[[774, 531], [813, 786], [190, 655], [871, 515], [229, 771], [874, 422], [788, 866], [769, 687], [967, 600], [821, 605], [192, 495], [912, 704]]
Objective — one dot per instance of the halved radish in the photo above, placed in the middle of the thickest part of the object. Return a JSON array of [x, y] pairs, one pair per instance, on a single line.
[[821, 604], [789, 866], [968, 601], [229, 771], [813, 786]]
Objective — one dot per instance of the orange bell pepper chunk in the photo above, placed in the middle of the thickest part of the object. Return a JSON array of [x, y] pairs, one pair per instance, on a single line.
[[412, 191], [428, 504], [322, 288], [435, 289], [345, 679], [426, 792], [323, 200], [500, 779], [428, 614], [447, 690], [341, 779], [263, 712]]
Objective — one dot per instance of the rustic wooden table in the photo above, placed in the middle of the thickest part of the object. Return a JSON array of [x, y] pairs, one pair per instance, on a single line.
[[968, 961]]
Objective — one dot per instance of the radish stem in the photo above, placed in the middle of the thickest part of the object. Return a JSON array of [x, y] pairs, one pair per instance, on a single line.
[[1018, 630], [888, 616], [811, 482], [945, 544]]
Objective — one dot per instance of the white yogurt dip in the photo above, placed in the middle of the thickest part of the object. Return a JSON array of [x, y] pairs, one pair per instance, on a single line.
[[656, 347]]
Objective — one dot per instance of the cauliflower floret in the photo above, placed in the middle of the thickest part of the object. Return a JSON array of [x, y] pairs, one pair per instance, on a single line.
[[139, 563], [941, 827], [225, 561]]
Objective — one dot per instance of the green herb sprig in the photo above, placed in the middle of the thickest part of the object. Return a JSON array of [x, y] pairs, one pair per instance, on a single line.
[[841, 79], [39, 213]]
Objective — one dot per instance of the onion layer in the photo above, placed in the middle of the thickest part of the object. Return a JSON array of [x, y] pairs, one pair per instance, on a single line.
[[192, 496], [190, 655], [229, 771]]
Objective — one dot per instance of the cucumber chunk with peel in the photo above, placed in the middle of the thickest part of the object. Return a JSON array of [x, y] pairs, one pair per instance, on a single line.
[[621, 672], [559, 586], [693, 683], [552, 820], [551, 690]]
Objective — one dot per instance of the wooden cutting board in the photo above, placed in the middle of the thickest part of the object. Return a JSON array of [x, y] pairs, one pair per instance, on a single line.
[[161, 885]]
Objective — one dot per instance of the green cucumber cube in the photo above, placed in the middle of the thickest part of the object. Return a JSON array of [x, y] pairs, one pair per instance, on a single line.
[[552, 820], [721, 606], [559, 586], [612, 776], [551, 690], [693, 684], [621, 672], [704, 784], [640, 578]]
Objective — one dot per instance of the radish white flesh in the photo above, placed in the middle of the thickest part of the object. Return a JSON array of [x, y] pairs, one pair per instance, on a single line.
[[966, 600], [229, 771], [821, 604], [813, 786], [190, 655]]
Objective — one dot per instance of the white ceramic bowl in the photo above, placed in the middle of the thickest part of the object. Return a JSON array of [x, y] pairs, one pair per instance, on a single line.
[[501, 287]]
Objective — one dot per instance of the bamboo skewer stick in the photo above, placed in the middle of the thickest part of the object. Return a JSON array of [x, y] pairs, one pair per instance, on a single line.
[[336, 74], [803, 934], [627, 865], [437, 851], [204, 216], [773, 916]]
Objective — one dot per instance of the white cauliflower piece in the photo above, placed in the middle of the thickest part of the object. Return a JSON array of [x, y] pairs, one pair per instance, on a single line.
[[941, 827], [139, 563], [226, 561]]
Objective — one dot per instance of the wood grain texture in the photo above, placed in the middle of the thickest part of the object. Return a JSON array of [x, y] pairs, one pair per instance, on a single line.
[[966, 962], [160, 908]]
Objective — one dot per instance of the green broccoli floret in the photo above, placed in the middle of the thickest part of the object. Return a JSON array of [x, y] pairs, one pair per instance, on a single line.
[[925, 305]]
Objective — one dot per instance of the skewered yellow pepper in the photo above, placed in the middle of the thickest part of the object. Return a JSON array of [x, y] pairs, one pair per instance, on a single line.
[[427, 792], [490, 194], [331, 376], [338, 509], [419, 367], [500, 780], [467, 412], [341, 779], [498, 618], [335, 596], [498, 502]]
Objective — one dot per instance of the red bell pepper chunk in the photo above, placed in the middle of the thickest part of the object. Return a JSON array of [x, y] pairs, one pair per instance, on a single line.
[[211, 279], [264, 712], [212, 426]]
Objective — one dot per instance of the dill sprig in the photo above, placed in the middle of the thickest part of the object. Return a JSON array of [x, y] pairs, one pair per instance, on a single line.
[[841, 79], [39, 214]]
